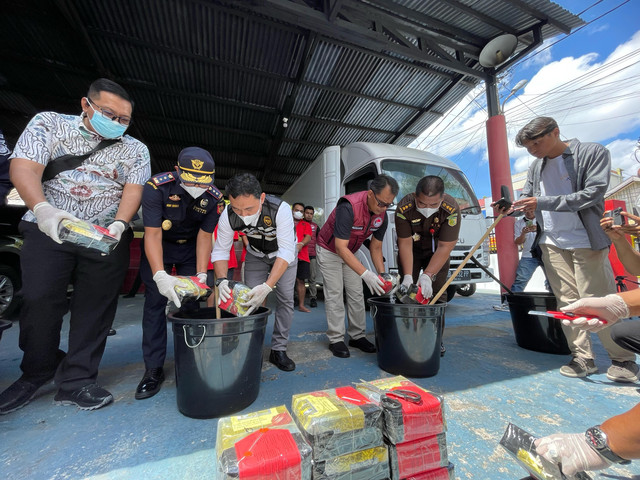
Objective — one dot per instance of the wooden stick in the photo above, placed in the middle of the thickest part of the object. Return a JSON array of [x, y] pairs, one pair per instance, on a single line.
[[466, 259]]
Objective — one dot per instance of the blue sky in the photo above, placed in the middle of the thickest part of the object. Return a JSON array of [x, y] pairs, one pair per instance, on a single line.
[[588, 81]]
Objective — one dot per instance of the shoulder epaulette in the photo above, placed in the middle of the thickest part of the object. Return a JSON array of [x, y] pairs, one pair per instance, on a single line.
[[162, 178], [405, 207], [447, 207], [214, 192]]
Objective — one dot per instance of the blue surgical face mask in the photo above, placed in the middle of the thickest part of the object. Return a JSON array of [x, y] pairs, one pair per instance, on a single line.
[[104, 127]]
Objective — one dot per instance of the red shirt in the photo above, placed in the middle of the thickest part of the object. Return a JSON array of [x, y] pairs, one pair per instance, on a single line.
[[303, 228], [233, 259]]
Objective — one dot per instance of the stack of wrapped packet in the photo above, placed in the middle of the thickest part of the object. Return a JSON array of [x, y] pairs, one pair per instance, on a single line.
[[264, 445], [413, 427], [343, 428]]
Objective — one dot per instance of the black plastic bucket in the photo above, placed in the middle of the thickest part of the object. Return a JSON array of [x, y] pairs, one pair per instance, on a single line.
[[536, 332], [218, 362], [408, 337]]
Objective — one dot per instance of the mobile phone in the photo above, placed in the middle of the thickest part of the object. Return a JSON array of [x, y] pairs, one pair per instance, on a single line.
[[618, 219]]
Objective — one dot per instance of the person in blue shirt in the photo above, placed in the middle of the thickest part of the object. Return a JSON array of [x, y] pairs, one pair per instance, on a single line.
[[180, 211]]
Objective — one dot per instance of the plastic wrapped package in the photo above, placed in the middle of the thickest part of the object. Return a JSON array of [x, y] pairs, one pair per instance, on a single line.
[[369, 464], [519, 443], [239, 296], [417, 456], [264, 445], [87, 235], [443, 473], [409, 411], [391, 283], [190, 288], [337, 421]]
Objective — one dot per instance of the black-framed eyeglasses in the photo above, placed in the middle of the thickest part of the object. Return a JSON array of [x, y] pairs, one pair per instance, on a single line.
[[122, 120], [382, 204]]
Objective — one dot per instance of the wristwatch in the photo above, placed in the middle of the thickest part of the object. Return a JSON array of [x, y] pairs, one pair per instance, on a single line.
[[597, 440], [432, 276]]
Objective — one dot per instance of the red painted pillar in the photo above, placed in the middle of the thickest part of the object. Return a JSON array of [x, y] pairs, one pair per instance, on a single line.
[[500, 173]]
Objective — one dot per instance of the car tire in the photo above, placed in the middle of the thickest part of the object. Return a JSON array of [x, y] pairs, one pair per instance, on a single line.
[[466, 290], [9, 286]]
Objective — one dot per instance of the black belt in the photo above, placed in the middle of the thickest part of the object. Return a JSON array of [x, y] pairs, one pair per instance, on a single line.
[[180, 241]]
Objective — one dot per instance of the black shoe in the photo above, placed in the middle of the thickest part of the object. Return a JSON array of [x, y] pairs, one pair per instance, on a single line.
[[313, 303], [339, 349], [150, 383], [363, 344], [280, 359], [442, 350], [111, 333], [18, 394], [89, 397]]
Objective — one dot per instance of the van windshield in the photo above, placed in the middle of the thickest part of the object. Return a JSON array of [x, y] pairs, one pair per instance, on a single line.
[[407, 174]]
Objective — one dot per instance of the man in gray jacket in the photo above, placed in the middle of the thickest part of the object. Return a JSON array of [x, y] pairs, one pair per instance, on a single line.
[[565, 189]]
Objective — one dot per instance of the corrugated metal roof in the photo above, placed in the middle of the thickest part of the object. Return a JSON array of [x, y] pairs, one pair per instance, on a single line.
[[224, 74]]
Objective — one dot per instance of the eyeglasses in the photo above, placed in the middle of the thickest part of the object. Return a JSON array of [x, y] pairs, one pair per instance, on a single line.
[[382, 204], [122, 120]]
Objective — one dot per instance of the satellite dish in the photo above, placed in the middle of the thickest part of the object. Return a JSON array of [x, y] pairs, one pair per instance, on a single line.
[[498, 50]]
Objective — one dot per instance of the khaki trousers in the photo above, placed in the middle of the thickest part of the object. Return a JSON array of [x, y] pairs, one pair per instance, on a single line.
[[336, 277], [577, 273]]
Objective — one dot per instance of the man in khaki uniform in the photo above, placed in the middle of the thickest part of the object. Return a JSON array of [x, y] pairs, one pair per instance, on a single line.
[[427, 225]]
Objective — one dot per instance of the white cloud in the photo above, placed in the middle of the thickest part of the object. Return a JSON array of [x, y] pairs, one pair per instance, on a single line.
[[592, 100], [542, 55], [623, 155]]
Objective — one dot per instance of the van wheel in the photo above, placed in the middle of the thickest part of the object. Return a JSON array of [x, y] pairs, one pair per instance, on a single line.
[[466, 290], [9, 286], [451, 292]]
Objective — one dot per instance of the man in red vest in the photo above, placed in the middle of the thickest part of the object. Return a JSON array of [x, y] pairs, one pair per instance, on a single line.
[[356, 217]]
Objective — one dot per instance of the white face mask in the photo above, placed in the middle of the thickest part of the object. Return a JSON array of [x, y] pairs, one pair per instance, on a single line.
[[298, 215], [252, 219], [195, 192], [427, 212]]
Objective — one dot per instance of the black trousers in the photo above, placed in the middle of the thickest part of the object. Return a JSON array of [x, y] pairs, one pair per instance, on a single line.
[[627, 335], [154, 320], [47, 269]]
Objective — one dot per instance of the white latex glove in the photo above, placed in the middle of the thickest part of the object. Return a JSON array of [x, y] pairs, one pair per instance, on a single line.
[[49, 217], [224, 292], [374, 282], [426, 286], [407, 281], [166, 284], [116, 229], [256, 296], [610, 308], [571, 452]]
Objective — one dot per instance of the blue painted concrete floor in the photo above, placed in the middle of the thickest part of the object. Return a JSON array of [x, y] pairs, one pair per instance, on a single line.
[[486, 380]]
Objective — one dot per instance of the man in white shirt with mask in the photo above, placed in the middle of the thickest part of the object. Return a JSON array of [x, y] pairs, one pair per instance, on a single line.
[[565, 189], [271, 255]]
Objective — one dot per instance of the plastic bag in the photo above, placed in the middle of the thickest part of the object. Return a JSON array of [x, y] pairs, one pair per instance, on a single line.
[[239, 295], [190, 288], [87, 235]]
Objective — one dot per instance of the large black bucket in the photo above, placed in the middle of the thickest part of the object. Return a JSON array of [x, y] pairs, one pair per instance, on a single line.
[[218, 362], [536, 332], [408, 337]]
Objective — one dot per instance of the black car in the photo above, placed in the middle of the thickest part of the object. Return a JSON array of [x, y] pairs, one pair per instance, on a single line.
[[10, 245]]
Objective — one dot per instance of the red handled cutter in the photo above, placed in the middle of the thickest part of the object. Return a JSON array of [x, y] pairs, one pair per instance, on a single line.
[[563, 315]]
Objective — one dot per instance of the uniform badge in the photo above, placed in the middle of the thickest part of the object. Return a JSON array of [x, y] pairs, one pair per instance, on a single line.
[[452, 220], [166, 225], [204, 202], [175, 198], [436, 220], [416, 237], [267, 220], [221, 206], [377, 222]]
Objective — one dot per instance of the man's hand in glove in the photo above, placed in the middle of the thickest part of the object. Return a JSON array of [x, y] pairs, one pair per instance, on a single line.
[[224, 292], [116, 229], [572, 452], [202, 277], [610, 308], [49, 217], [374, 282], [424, 282], [256, 296], [166, 284], [407, 281]]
